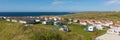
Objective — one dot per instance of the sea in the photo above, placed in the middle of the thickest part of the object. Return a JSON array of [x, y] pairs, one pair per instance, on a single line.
[[34, 13]]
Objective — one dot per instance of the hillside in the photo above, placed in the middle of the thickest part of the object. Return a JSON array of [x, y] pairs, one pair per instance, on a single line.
[[114, 16], [17, 31]]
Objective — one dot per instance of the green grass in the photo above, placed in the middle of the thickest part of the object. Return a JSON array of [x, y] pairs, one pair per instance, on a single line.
[[17, 31]]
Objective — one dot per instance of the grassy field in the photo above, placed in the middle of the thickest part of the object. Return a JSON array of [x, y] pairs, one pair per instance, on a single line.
[[17, 31]]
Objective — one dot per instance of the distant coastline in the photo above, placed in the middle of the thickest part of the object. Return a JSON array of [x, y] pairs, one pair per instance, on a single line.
[[34, 13]]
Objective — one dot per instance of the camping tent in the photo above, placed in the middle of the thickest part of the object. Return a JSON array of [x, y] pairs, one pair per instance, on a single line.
[[90, 28], [64, 28], [98, 26]]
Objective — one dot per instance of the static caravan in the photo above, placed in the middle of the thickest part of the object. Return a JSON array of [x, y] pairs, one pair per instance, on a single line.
[[37, 20], [115, 26], [4, 17], [98, 26], [8, 19], [59, 18], [1, 18], [27, 21], [46, 18], [69, 22], [44, 22], [13, 20], [22, 21], [75, 20], [55, 19], [107, 23], [83, 22], [99, 22], [47, 22]]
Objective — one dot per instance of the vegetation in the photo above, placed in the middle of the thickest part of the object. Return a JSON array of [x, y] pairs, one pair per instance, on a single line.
[[17, 31], [114, 16]]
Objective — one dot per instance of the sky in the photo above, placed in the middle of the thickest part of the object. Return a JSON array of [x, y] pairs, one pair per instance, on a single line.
[[58, 5]]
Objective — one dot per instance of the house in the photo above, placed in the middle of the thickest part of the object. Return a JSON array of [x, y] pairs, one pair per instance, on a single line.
[[90, 28], [112, 34], [64, 28]]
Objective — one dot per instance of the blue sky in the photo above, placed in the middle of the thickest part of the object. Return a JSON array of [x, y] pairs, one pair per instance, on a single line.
[[58, 5]]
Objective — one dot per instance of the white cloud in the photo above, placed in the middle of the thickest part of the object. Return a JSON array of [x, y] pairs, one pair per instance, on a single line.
[[57, 2], [112, 2]]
